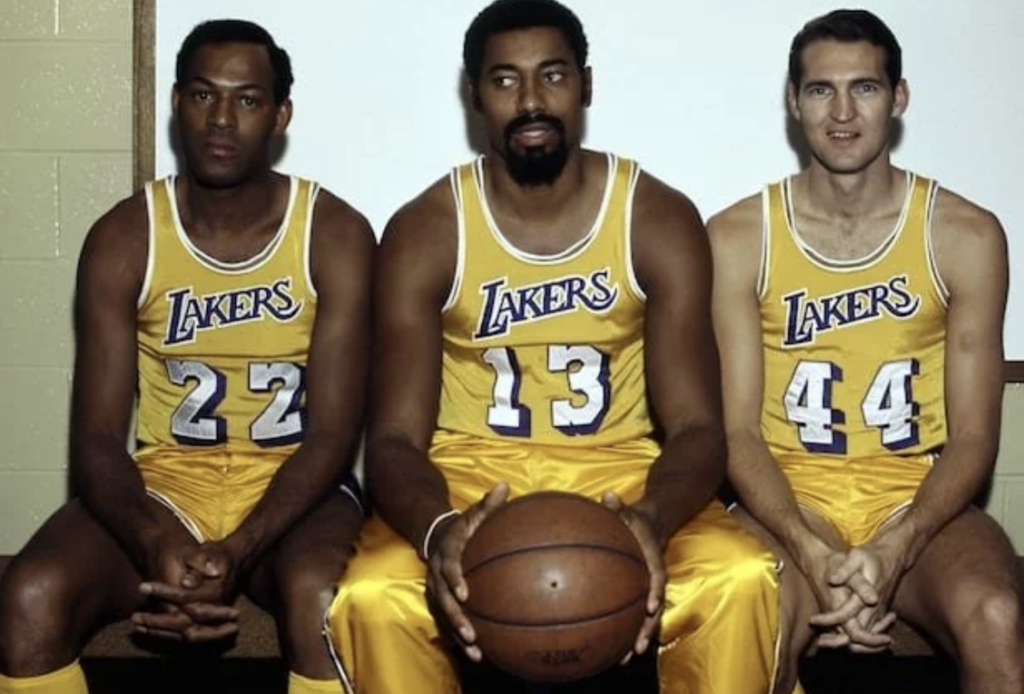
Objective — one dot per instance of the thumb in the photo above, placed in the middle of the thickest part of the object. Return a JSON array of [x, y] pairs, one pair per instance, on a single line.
[[201, 563], [850, 566], [612, 501]]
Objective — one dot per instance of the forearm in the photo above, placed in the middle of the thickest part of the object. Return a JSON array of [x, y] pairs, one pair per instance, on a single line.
[[409, 491], [683, 479], [957, 477], [110, 485], [303, 480], [768, 496]]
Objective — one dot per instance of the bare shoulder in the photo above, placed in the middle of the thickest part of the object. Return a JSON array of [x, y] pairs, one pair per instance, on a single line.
[[337, 224], [738, 224], [428, 219], [118, 243], [659, 208], [956, 219], [968, 239]]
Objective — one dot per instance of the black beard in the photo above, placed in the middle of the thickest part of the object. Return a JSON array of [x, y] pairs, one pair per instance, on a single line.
[[535, 166]]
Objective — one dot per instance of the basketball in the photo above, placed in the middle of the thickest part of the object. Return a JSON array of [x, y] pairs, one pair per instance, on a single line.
[[557, 587]]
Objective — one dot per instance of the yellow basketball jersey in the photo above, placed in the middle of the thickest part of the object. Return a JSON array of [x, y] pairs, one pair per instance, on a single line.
[[223, 346], [545, 348], [853, 350]]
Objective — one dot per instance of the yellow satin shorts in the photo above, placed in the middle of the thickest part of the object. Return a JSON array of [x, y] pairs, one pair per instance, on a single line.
[[719, 631], [856, 495]]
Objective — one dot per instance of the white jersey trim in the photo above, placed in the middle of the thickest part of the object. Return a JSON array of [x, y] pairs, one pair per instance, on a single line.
[[575, 249], [244, 266], [764, 270], [632, 281], [460, 230], [307, 250], [933, 265], [147, 278], [874, 257]]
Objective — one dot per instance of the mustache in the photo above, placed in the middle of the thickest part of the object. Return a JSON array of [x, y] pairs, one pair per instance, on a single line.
[[533, 119]]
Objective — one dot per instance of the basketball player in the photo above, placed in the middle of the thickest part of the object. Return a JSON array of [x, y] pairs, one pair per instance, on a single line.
[[235, 300], [862, 369], [525, 307]]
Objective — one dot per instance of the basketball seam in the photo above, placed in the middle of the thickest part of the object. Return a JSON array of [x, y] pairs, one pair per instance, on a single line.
[[560, 623], [560, 545]]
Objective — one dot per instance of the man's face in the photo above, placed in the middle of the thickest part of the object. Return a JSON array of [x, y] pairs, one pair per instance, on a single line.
[[845, 103], [532, 95], [226, 115]]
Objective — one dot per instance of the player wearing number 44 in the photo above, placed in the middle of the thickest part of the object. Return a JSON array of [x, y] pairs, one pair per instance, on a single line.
[[527, 306], [862, 368], [236, 300]]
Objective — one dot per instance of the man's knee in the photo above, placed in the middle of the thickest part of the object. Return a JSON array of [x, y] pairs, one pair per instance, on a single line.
[[36, 597], [990, 619]]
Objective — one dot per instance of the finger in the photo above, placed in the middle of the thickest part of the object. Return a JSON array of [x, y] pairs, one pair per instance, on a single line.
[[203, 564], [159, 633], [198, 633], [451, 571], [494, 498], [207, 613], [148, 621], [165, 592], [863, 588], [840, 615], [884, 624], [612, 501], [646, 633], [859, 635], [853, 564], [453, 611], [857, 648], [657, 592], [833, 639]]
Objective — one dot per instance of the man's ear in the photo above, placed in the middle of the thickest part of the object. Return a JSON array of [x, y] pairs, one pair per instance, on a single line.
[[284, 117]]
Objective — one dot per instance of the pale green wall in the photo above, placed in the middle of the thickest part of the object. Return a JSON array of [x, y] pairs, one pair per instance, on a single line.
[[65, 157]]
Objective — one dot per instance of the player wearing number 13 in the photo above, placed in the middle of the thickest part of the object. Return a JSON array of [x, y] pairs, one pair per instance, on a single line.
[[234, 301], [538, 312], [862, 369]]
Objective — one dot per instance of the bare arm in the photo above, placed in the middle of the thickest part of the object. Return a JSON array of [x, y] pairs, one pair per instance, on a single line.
[[110, 276], [336, 377], [760, 483], [972, 259], [415, 269]]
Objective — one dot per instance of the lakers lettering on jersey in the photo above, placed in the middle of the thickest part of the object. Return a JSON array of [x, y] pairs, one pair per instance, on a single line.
[[223, 346], [544, 348], [853, 350]]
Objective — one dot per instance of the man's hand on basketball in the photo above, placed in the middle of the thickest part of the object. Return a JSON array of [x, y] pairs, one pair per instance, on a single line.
[[653, 548], [446, 586]]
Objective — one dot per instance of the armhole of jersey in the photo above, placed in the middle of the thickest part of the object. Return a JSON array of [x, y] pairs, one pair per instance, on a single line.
[[633, 282], [460, 254], [307, 254], [766, 243], [933, 266], [147, 278]]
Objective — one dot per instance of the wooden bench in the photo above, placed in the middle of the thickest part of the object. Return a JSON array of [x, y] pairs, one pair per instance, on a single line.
[[114, 650]]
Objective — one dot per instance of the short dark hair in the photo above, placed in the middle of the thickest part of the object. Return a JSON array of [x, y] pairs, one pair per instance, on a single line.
[[237, 31], [508, 15], [847, 26]]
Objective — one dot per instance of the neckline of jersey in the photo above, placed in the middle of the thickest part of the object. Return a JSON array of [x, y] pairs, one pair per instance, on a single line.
[[869, 259], [569, 253], [259, 259]]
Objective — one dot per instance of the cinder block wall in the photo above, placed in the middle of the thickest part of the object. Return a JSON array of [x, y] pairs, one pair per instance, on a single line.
[[65, 157]]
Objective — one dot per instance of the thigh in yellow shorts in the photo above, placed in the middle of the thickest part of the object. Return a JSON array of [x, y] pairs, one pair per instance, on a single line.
[[210, 493], [856, 495], [719, 630]]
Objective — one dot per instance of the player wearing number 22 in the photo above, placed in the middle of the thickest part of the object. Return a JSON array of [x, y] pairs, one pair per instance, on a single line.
[[862, 363], [235, 302], [538, 311]]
